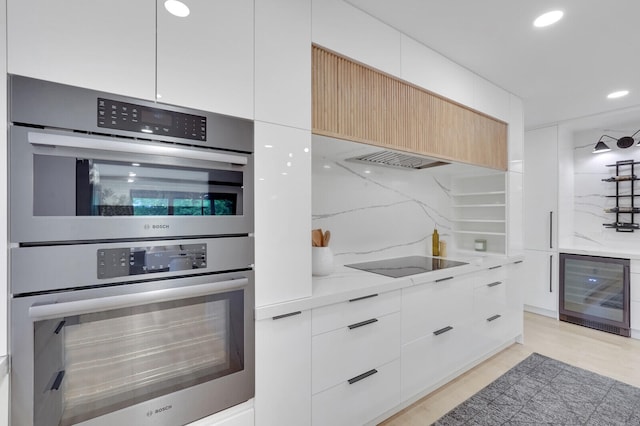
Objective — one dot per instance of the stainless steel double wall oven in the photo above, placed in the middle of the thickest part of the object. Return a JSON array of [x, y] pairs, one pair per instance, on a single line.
[[131, 260]]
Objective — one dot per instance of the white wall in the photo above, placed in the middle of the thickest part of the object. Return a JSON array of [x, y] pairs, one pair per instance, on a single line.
[[589, 198]]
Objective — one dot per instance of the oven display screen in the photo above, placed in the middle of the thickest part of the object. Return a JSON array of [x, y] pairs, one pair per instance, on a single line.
[[157, 117], [122, 262]]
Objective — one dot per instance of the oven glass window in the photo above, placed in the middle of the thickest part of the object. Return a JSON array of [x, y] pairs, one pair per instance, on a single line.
[[85, 187], [96, 363]]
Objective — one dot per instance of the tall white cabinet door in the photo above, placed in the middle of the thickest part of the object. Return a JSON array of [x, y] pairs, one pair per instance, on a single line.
[[541, 188], [283, 62], [541, 282], [205, 60], [109, 48], [283, 370]]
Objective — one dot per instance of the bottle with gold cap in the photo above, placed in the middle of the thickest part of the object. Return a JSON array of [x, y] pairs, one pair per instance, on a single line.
[[435, 243]]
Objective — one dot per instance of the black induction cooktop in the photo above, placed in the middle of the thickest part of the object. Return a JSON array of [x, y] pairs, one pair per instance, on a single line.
[[405, 266]]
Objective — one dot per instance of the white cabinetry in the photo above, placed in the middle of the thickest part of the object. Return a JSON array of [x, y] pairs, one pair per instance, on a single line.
[[479, 205], [540, 219], [205, 60], [283, 370], [635, 298], [109, 48], [436, 328], [356, 360]]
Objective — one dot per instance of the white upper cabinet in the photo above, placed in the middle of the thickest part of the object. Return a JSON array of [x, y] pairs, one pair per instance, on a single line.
[[109, 48], [541, 189], [205, 60], [283, 62]]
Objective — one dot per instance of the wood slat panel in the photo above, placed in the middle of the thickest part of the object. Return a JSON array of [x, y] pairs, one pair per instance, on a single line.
[[355, 102]]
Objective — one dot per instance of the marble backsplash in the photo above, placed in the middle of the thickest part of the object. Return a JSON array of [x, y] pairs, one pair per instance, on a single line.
[[592, 195], [376, 212]]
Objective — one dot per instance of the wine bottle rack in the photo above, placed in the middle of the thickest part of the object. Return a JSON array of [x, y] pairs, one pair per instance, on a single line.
[[625, 213]]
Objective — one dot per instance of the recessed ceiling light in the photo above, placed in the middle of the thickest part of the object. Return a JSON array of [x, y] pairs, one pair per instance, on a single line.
[[548, 18], [177, 8], [618, 94]]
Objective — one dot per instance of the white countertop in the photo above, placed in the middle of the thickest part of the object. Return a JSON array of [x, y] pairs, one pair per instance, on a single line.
[[601, 251], [347, 283]]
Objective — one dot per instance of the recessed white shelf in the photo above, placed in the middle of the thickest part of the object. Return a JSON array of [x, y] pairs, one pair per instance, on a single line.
[[471, 194], [480, 233], [480, 220], [464, 206]]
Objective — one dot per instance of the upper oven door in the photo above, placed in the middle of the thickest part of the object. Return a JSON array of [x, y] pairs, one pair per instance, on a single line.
[[74, 187]]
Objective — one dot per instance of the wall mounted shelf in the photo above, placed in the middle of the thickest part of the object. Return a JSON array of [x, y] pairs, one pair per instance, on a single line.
[[625, 214]]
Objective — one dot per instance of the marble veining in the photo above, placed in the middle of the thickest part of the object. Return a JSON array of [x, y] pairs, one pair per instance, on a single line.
[[375, 211], [591, 196]]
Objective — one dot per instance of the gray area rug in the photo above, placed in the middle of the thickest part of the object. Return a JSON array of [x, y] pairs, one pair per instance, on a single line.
[[543, 391]]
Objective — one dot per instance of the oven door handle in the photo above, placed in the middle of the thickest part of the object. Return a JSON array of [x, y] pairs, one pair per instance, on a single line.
[[78, 307], [128, 147]]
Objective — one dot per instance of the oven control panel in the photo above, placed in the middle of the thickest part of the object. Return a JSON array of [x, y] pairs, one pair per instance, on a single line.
[[143, 119], [122, 262]]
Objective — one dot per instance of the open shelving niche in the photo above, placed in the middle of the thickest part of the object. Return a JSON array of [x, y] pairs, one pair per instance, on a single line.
[[622, 180], [479, 211]]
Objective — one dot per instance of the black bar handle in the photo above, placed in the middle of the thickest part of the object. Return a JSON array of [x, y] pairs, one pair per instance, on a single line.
[[443, 330], [444, 279], [363, 323], [551, 229], [363, 297], [58, 381], [550, 273], [494, 284], [59, 327], [493, 318], [291, 314], [518, 261], [362, 376], [495, 267]]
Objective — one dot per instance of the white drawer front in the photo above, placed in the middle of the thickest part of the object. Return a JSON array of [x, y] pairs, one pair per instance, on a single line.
[[496, 330], [635, 314], [332, 317], [635, 287], [488, 276], [355, 404], [489, 299], [432, 358], [428, 307], [344, 353]]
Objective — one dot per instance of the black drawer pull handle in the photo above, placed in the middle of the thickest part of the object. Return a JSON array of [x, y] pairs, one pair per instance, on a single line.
[[291, 314], [443, 330], [59, 327], [493, 318], [363, 297], [518, 261], [362, 376], [494, 284], [495, 267], [444, 279], [58, 381], [360, 324]]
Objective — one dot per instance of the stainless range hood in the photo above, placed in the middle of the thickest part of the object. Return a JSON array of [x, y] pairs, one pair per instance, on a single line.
[[397, 160]]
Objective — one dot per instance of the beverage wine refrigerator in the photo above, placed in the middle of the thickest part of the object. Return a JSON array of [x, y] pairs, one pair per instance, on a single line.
[[595, 292]]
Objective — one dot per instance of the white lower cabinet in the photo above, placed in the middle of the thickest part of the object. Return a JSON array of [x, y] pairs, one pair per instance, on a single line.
[[283, 370], [355, 363], [540, 276], [359, 400]]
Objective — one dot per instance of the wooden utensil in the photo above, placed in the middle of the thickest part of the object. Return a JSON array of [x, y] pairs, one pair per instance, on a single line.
[[316, 237], [327, 237]]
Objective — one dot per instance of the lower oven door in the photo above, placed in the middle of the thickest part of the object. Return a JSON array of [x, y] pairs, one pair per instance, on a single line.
[[165, 352]]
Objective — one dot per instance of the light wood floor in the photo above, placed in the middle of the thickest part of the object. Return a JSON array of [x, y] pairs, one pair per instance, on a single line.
[[603, 353]]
